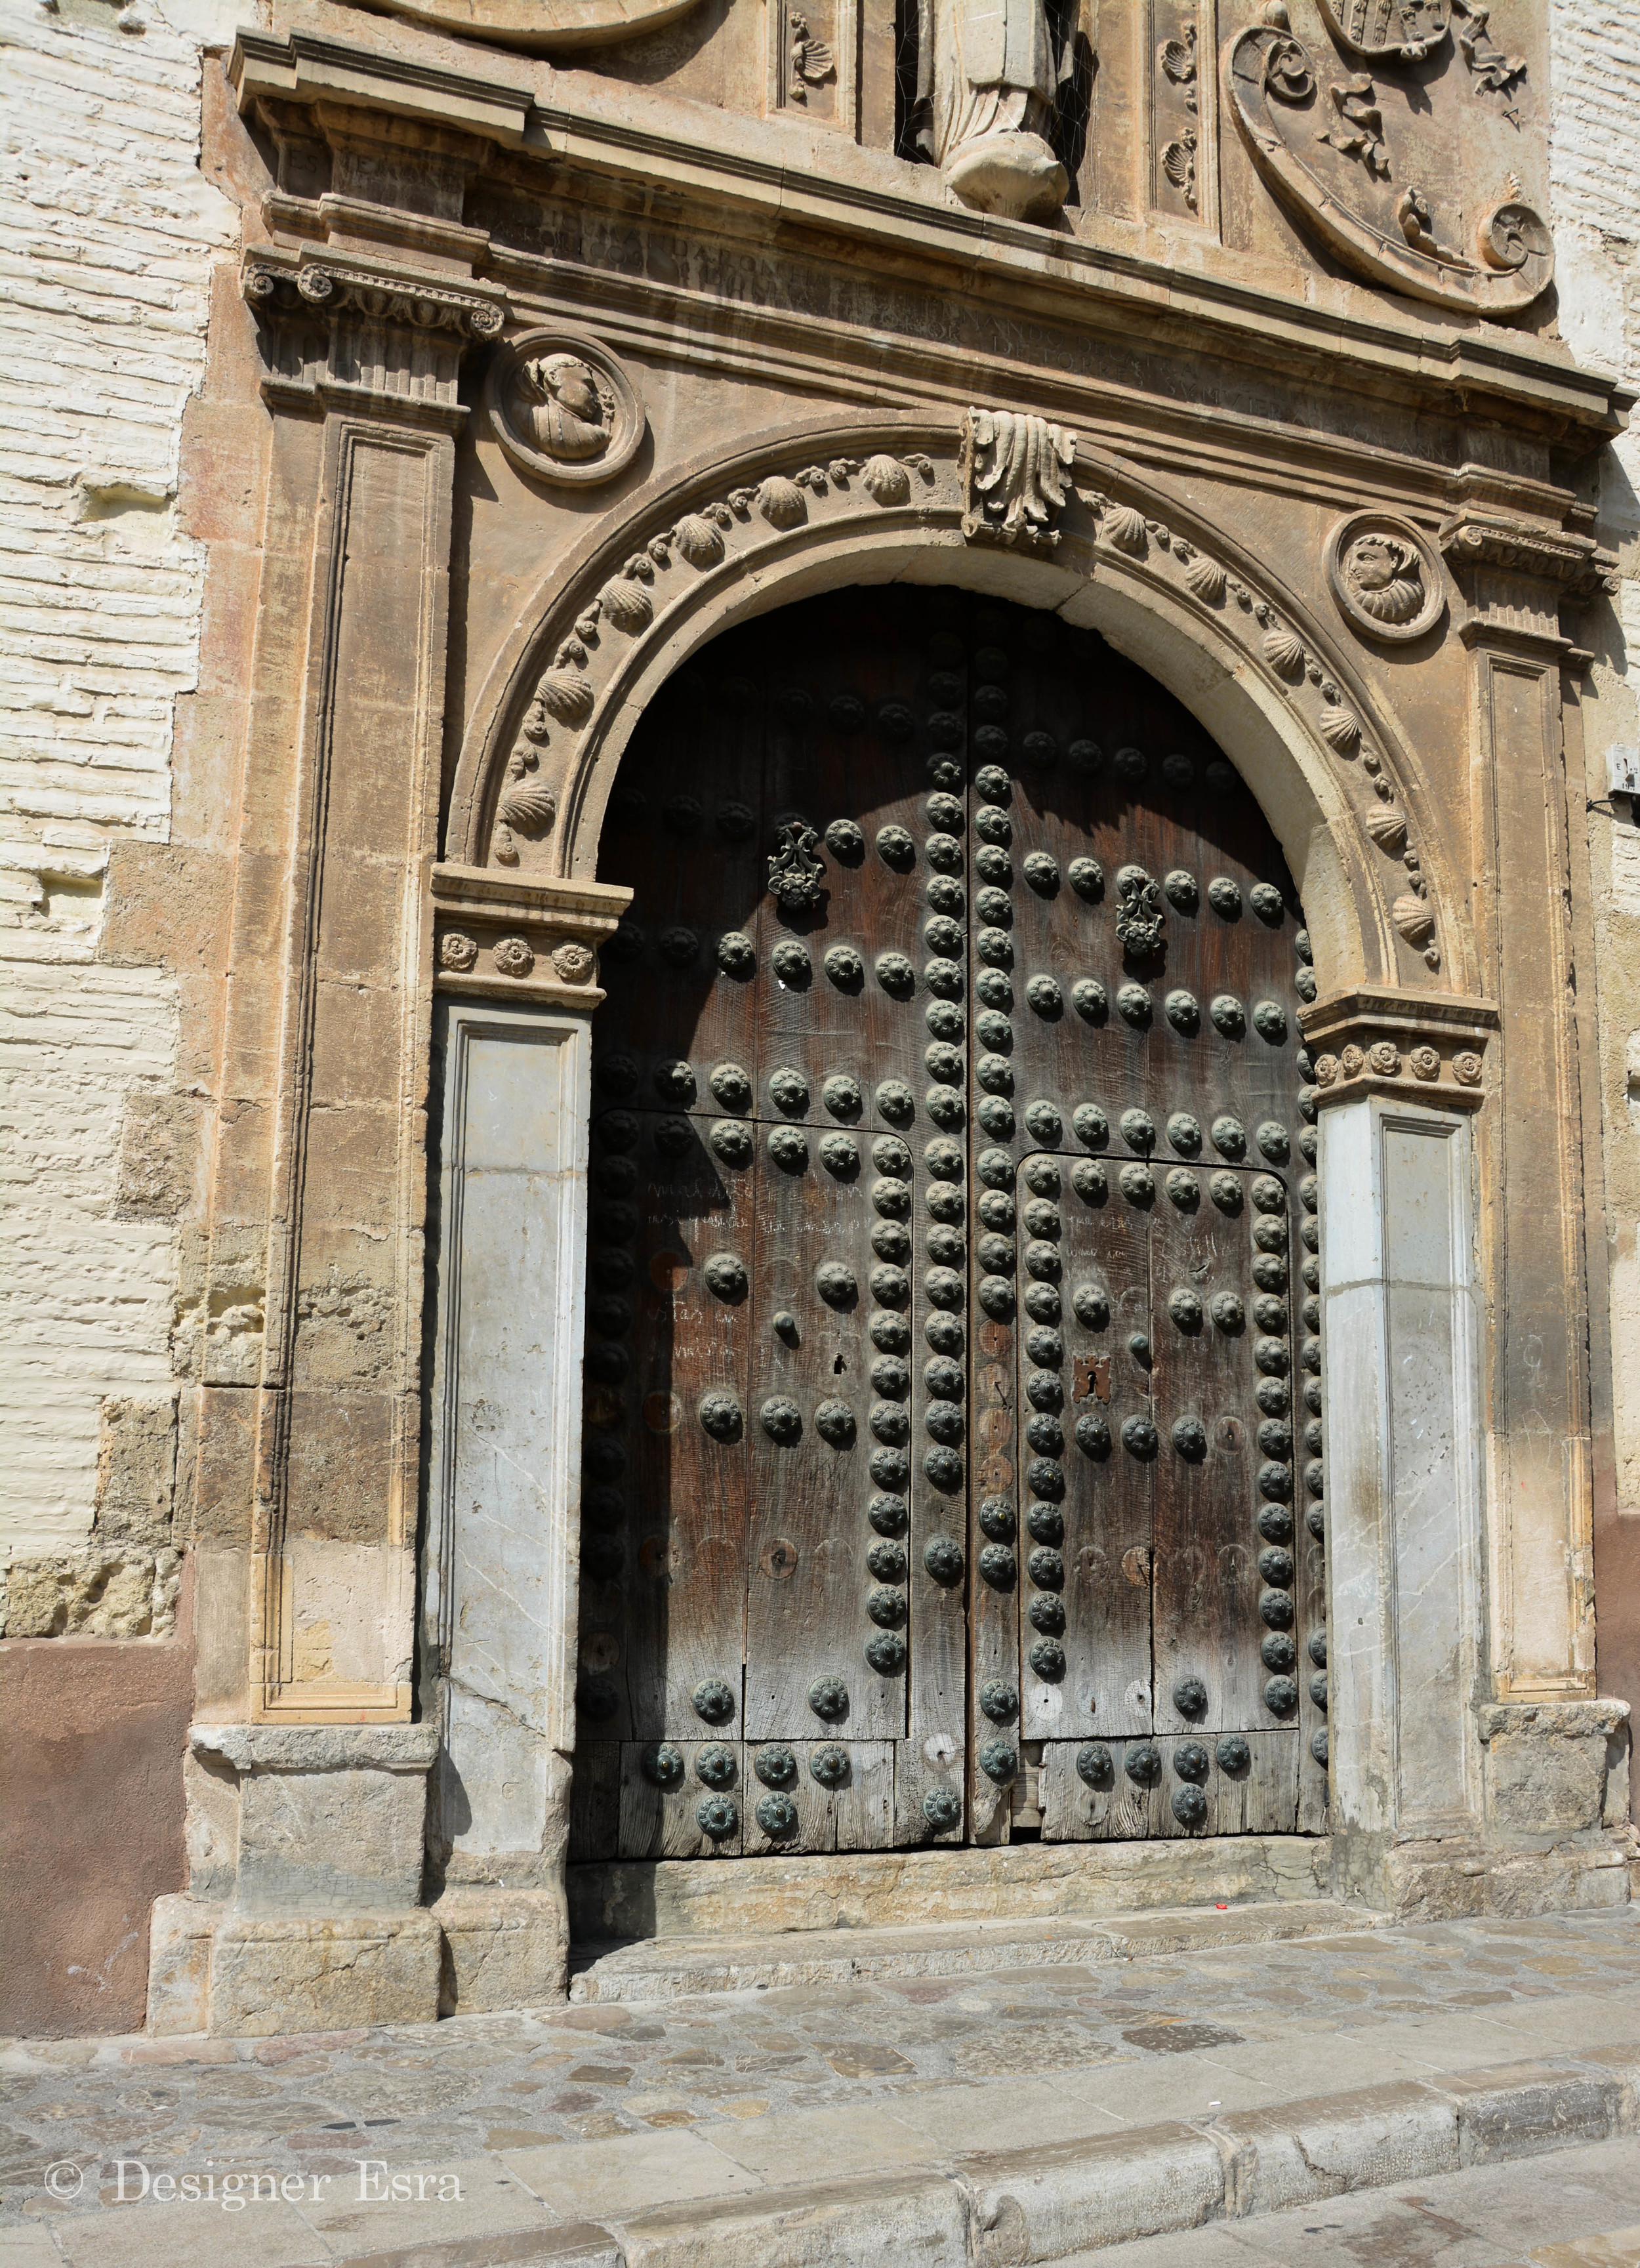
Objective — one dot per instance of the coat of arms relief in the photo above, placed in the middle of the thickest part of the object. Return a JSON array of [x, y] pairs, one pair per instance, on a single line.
[[1394, 143], [1391, 132]]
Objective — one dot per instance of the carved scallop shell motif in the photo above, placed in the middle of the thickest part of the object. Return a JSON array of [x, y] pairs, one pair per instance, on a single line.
[[626, 605], [1341, 730], [1207, 578], [1387, 826], [566, 695], [1283, 652], [698, 541], [781, 503], [529, 808], [885, 480], [1124, 527], [1413, 918]]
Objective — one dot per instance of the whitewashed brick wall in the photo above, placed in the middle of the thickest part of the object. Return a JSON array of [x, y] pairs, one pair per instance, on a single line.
[[1595, 187], [108, 234]]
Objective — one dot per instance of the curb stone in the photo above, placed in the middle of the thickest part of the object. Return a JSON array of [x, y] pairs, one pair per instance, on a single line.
[[1032, 2208]]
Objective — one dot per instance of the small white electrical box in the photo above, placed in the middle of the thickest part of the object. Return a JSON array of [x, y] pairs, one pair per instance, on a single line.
[[1623, 771]]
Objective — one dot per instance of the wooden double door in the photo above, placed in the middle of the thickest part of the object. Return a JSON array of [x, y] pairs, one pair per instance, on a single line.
[[952, 1456]]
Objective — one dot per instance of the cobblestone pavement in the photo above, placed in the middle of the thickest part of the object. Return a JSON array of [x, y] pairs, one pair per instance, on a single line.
[[795, 2084]]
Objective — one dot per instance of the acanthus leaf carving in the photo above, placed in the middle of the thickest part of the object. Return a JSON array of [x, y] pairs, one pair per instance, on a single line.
[[1358, 130], [1016, 473]]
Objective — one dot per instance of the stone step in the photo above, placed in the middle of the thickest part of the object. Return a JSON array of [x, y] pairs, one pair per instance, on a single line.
[[676, 1968]]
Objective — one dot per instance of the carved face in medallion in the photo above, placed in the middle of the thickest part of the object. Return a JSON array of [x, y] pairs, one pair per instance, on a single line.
[[1383, 577], [564, 409], [1388, 581]]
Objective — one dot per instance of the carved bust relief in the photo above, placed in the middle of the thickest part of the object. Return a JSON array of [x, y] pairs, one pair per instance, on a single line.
[[562, 408], [1384, 576]]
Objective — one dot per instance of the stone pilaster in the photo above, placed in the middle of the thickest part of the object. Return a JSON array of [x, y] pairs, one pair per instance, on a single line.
[[1516, 574], [517, 985], [311, 1444]]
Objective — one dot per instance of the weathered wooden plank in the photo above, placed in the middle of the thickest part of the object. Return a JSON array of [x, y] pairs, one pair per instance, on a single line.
[[665, 1509], [1107, 1516], [595, 1801], [682, 1798], [1207, 1584], [810, 1587]]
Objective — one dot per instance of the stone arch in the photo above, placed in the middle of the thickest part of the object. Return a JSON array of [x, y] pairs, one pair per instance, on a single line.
[[743, 531]]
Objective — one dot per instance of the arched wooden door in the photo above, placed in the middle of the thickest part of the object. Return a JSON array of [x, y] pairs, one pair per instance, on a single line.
[[952, 1393]]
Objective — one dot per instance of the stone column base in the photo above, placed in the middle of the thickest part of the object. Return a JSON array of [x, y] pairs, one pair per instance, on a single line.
[[1456, 1881], [502, 1948], [249, 1976], [299, 1973]]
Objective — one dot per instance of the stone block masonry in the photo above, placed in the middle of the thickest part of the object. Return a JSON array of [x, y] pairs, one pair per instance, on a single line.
[[1595, 181], [108, 235]]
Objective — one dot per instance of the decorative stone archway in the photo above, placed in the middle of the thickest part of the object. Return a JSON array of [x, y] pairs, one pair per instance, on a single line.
[[1401, 1053], [786, 514]]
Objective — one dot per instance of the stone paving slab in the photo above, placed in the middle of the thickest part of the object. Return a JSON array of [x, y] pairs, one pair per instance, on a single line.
[[677, 1967], [1579, 2210], [1012, 2115]]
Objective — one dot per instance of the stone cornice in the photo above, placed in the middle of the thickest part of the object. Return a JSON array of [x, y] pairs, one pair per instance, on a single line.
[[305, 69], [500, 936], [278, 284], [726, 192], [1576, 563], [1418, 1046]]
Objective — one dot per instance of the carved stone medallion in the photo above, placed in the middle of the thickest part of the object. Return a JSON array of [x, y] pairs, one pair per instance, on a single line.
[[1364, 165], [562, 408], [1385, 577]]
